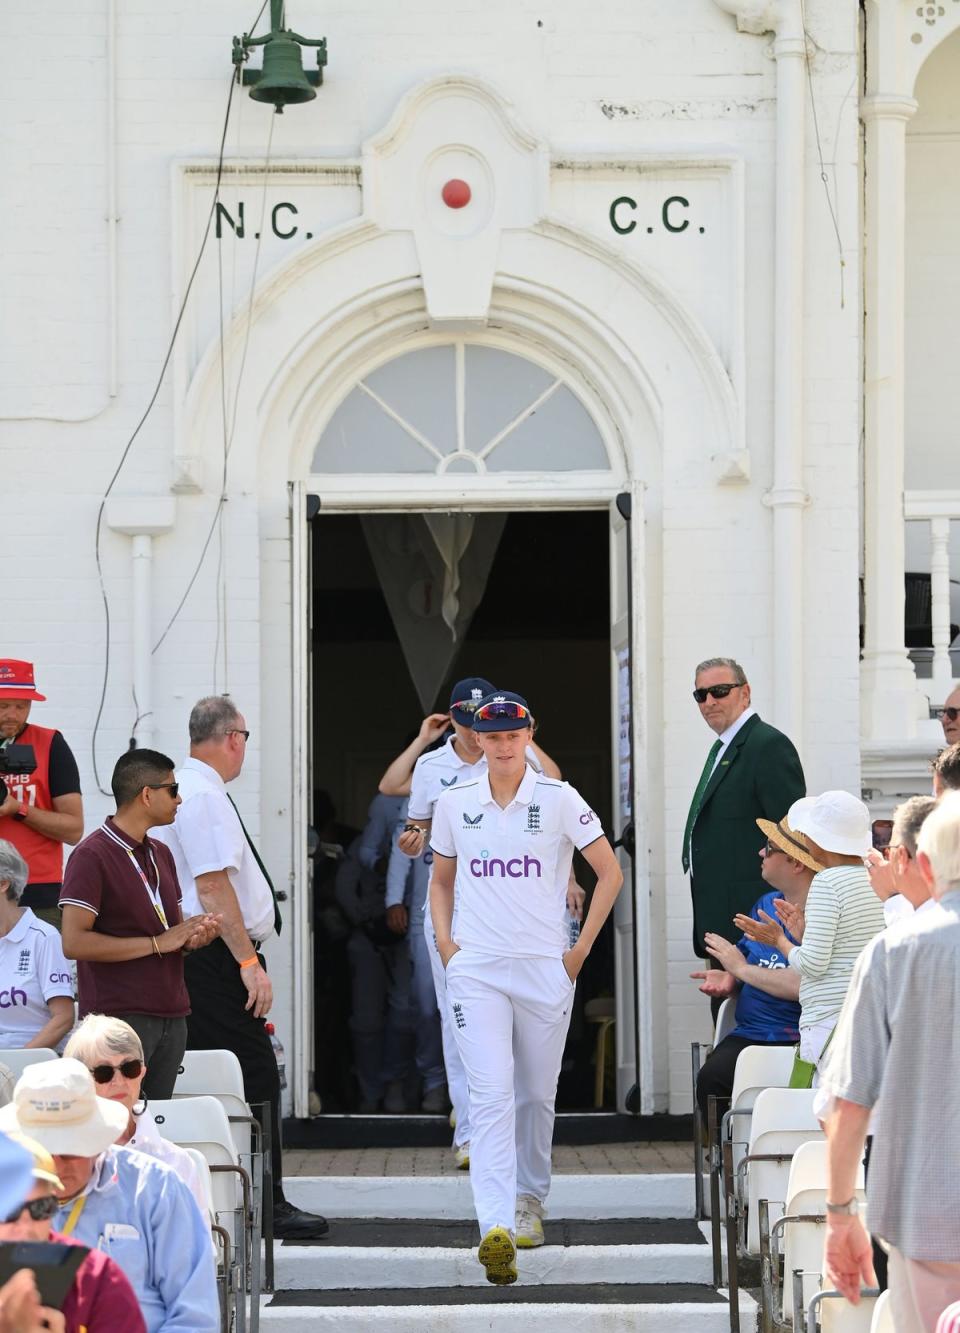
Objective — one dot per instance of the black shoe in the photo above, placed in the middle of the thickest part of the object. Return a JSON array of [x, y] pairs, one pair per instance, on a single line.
[[290, 1223]]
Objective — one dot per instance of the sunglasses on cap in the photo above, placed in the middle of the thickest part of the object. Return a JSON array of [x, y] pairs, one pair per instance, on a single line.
[[504, 708], [41, 1210], [718, 692], [951, 714], [129, 1069], [465, 705]]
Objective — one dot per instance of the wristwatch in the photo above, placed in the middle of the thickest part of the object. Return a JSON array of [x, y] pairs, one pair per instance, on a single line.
[[851, 1209], [20, 814]]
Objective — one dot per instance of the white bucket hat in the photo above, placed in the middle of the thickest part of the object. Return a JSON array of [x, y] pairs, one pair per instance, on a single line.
[[835, 821], [56, 1103]]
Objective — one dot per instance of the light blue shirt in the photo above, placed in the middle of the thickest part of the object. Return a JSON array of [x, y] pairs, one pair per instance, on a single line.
[[405, 873], [382, 819], [141, 1214]]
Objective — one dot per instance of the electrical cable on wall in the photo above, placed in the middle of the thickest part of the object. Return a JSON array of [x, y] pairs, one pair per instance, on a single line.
[[139, 426], [823, 169]]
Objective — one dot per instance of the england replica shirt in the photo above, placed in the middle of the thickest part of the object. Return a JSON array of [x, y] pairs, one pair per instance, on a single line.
[[206, 836], [32, 971], [513, 865]]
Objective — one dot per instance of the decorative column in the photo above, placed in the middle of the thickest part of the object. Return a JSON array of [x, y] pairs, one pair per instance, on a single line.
[[142, 518], [940, 606], [787, 497], [889, 695]]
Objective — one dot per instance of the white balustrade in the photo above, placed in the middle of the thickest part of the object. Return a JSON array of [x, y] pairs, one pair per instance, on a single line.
[[938, 509]]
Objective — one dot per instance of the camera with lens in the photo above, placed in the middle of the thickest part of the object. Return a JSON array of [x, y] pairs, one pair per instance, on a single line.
[[17, 759]]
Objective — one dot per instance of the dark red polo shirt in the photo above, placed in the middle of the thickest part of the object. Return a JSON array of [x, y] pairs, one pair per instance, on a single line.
[[101, 878], [101, 1296]]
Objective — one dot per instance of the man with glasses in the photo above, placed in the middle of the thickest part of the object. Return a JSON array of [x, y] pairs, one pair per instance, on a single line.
[[221, 872], [950, 717], [946, 770], [752, 769], [122, 918], [767, 988]]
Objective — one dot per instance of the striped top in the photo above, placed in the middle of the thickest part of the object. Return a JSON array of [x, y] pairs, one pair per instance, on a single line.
[[842, 915]]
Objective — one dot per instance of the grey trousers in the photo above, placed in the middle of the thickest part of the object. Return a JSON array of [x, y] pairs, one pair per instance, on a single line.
[[164, 1041]]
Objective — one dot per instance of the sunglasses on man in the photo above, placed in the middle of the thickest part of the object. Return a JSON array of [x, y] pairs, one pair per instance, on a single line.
[[718, 692], [951, 714], [172, 787], [41, 1210]]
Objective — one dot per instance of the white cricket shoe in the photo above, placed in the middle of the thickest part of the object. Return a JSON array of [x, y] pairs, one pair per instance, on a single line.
[[461, 1156], [529, 1222]]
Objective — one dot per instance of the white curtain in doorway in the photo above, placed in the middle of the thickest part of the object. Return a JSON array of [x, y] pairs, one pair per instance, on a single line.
[[433, 569]]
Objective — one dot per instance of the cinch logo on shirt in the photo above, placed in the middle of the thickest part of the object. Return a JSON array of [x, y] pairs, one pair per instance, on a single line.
[[486, 866], [58, 978], [9, 998], [587, 817]]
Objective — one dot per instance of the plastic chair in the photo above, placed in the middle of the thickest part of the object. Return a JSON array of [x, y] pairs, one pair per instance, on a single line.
[[601, 1011], [17, 1059], [226, 1288], [883, 1315], [782, 1119], [799, 1233], [758, 1068], [201, 1123], [726, 1022]]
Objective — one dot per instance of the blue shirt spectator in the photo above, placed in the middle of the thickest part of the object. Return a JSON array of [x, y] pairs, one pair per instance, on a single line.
[[382, 818], [762, 1017], [140, 1214]]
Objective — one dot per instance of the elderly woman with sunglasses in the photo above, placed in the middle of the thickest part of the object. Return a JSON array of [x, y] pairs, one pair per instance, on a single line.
[[100, 1300], [35, 978], [112, 1052]]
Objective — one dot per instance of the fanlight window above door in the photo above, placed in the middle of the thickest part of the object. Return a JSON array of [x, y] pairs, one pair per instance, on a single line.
[[460, 408]]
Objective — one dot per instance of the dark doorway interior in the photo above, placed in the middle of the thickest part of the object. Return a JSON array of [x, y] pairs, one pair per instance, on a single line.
[[542, 628]]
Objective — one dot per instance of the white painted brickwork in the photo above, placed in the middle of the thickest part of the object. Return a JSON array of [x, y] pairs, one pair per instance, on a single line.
[[612, 77]]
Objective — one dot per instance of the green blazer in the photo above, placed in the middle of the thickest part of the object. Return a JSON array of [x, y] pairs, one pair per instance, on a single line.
[[758, 777]]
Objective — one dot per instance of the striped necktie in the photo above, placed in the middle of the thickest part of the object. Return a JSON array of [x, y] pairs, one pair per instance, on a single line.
[[277, 919], [698, 800]]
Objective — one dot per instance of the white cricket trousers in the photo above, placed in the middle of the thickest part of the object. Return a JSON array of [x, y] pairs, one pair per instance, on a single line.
[[510, 1018], [456, 1074]]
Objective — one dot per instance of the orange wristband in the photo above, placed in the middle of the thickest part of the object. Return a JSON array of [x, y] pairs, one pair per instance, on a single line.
[[250, 962]]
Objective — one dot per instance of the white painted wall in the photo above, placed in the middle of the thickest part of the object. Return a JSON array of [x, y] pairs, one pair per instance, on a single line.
[[617, 79]]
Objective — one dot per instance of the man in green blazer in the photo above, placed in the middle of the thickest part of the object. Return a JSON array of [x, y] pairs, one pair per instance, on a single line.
[[752, 771]]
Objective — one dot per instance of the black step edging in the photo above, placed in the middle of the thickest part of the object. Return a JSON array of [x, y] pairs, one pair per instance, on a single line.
[[572, 1129], [619, 1293], [363, 1232]]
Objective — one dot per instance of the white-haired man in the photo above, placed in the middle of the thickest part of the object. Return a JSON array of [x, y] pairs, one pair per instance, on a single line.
[[896, 1053]]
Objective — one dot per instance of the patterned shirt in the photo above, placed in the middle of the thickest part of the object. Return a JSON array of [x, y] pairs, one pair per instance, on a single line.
[[842, 915], [897, 1048]]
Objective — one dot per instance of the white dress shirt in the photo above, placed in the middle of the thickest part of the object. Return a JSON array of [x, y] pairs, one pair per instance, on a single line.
[[207, 836]]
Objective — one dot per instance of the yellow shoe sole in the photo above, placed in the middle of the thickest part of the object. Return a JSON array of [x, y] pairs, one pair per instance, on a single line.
[[498, 1254]]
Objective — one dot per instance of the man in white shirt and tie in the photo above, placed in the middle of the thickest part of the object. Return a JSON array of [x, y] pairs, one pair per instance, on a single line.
[[230, 992]]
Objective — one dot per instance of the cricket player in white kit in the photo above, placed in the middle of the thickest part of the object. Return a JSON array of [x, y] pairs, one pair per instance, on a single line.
[[504, 843]]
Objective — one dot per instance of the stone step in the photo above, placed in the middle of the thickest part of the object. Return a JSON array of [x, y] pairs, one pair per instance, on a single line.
[[412, 1253], [571, 1196], [597, 1308]]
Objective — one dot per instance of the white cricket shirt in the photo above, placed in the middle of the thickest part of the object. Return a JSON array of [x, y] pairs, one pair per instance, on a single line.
[[513, 865], [442, 768], [206, 836], [32, 971]]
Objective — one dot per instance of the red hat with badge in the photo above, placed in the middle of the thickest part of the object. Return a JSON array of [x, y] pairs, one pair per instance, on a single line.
[[16, 680]]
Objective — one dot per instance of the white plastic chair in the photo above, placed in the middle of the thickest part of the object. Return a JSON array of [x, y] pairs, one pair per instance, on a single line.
[[782, 1120], [883, 1315], [201, 1123], [726, 1019], [798, 1234], [218, 1074], [17, 1059], [221, 1240]]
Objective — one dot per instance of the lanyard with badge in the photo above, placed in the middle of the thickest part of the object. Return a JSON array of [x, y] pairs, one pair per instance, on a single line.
[[74, 1217], [152, 893]]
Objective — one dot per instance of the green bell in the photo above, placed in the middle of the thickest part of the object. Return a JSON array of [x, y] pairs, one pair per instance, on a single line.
[[282, 79]]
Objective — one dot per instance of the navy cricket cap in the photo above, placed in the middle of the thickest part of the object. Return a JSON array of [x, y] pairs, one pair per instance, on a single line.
[[502, 710], [465, 696]]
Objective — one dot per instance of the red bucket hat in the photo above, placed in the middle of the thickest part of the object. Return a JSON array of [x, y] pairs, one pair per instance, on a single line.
[[16, 680]]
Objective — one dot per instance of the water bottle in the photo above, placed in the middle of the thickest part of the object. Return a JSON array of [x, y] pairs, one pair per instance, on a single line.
[[278, 1053], [573, 929]]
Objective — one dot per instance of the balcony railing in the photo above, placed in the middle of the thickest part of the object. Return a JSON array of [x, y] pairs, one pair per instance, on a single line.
[[937, 509]]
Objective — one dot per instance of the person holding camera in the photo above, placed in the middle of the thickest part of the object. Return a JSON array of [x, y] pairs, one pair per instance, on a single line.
[[43, 808]]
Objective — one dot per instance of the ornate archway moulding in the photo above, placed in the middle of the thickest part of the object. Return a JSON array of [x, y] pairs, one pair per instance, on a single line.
[[901, 35]]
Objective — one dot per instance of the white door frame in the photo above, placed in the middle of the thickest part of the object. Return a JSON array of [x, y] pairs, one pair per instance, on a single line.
[[555, 491]]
